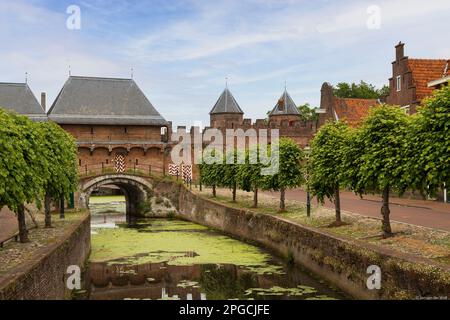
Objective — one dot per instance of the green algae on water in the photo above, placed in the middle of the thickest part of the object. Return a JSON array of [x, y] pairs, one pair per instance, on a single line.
[[154, 241]]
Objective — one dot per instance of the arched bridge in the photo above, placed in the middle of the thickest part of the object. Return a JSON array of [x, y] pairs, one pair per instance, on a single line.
[[137, 185]]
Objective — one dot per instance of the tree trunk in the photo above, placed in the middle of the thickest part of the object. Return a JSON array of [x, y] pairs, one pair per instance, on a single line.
[[282, 199], [23, 232], [214, 190], [48, 216], [61, 209], [337, 205], [255, 197], [386, 226], [234, 192]]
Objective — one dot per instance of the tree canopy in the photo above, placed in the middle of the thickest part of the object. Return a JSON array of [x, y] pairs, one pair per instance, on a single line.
[[61, 154], [375, 159], [362, 90], [307, 112], [429, 147], [289, 173], [35, 159], [326, 161]]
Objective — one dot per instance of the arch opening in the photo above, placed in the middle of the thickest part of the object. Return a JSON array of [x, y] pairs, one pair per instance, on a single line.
[[135, 191]]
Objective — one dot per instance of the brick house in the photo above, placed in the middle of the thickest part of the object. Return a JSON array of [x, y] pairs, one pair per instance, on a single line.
[[349, 109], [114, 123], [414, 79], [19, 98]]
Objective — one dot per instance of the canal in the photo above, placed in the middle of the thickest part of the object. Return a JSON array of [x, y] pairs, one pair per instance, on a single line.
[[175, 259]]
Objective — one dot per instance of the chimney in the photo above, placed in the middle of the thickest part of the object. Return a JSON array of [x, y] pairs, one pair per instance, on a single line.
[[399, 51], [43, 101]]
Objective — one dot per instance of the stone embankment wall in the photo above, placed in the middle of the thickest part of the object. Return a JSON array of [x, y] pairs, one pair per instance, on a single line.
[[44, 276], [341, 261]]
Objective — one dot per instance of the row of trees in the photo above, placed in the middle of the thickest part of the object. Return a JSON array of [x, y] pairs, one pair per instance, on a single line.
[[37, 162], [248, 176], [389, 152]]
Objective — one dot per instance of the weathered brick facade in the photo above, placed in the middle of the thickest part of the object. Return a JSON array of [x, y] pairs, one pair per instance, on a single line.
[[410, 81], [226, 114], [114, 124]]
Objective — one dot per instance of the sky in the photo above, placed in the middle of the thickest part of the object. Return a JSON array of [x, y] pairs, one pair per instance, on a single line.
[[182, 51]]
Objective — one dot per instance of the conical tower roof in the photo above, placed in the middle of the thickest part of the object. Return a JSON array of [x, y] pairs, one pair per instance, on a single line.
[[226, 104], [285, 106]]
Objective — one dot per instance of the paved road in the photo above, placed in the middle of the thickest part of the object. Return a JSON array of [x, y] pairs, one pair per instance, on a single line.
[[430, 214]]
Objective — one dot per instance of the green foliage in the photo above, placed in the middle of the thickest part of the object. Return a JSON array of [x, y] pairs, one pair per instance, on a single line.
[[375, 155], [34, 158], [60, 153], [249, 174], [429, 148], [307, 113], [327, 156], [230, 171], [362, 90], [290, 174], [23, 170], [212, 173]]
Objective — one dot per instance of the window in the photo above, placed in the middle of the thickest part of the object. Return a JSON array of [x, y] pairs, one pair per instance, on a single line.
[[137, 161], [92, 130], [79, 162], [399, 83], [125, 130]]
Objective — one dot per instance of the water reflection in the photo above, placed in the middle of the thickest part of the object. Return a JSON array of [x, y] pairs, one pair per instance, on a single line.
[[161, 259], [107, 211], [213, 282]]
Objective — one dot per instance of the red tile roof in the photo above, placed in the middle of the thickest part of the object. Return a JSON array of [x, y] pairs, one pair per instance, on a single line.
[[353, 110], [424, 71]]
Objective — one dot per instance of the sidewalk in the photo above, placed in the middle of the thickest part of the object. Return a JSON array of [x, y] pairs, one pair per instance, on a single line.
[[430, 214]]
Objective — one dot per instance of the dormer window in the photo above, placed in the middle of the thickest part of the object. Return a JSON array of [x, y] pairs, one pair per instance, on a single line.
[[399, 83]]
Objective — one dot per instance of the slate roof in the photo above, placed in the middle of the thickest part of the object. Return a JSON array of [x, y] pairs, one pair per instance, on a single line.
[[353, 110], [285, 106], [108, 101], [424, 71], [19, 98], [226, 104]]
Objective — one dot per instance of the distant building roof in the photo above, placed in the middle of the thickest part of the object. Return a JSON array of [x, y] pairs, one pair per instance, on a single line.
[[424, 71], [352, 110], [226, 104], [109, 101], [444, 79], [285, 106], [19, 98]]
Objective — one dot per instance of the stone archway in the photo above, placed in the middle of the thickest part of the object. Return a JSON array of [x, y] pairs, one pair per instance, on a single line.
[[135, 189]]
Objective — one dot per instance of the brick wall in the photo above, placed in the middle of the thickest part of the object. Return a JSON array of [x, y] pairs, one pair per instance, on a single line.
[[43, 277]]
